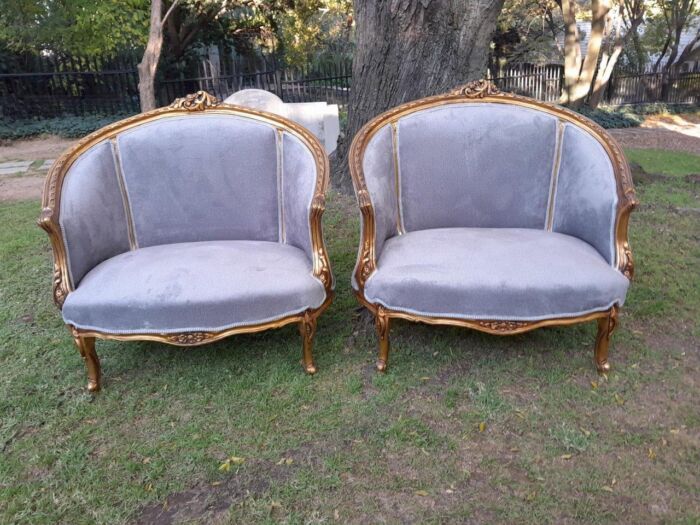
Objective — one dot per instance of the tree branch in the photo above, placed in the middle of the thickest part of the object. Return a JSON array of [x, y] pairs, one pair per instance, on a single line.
[[170, 10]]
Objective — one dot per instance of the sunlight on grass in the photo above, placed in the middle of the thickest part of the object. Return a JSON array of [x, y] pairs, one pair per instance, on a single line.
[[675, 163]]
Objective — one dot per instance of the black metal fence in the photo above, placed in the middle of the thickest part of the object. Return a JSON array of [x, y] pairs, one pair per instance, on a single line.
[[79, 86], [55, 86], [75, 86], [329, 82]]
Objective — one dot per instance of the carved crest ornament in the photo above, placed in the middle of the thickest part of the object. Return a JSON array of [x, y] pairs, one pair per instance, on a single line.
[[198, 101], [477, 89]]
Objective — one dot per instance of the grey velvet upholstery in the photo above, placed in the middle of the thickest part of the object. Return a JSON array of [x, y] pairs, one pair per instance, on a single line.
[[378, 166], [199, 286], [92, 217], [494, 273], [200, 178], [298, 182], [479, 186], [586, 199], [221, 208], [475, 165]]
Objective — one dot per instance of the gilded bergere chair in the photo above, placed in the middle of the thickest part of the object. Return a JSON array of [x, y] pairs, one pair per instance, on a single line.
[[188, 224], [491, 211]]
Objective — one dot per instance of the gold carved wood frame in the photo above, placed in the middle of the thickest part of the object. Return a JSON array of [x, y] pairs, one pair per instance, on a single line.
[[484, 91], [191, 104]]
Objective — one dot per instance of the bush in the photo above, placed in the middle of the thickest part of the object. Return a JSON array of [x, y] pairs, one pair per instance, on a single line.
[[68, 127], [629, 116], [612, 117]]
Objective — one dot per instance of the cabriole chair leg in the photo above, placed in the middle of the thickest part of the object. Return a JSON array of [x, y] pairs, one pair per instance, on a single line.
[[606, 326], [86, 347], [307, 328], [382, 324]]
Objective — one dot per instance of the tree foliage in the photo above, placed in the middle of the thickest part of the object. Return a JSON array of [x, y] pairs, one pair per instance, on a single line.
[[81, 27], [668, 21], [314, 26], [527, 32], [85, 27]]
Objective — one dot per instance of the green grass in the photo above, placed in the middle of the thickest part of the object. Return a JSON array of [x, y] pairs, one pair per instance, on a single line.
[[673, 163], [464, 426]]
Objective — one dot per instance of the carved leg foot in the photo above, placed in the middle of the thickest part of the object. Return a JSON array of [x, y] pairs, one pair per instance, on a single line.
[[606, 326], [307, 328], [382, 323], [86, 347]]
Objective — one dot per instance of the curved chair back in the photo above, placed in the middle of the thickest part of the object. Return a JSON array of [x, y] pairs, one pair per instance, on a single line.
[[477, 157], [195, 171]]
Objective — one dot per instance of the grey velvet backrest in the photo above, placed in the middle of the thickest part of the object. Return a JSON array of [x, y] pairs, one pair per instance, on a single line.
[[184, 177], [492, 163]]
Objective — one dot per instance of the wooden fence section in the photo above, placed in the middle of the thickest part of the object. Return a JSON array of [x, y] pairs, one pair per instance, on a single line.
[[543, 82], [77, 86], [546, 83], [672, 88]]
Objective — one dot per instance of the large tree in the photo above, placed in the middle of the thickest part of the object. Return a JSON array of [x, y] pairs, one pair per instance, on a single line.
[[612, 23], [408, 49], [620, 27], [183, 22]]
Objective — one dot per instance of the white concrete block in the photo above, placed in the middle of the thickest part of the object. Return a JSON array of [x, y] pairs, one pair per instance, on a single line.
[[318, 117]]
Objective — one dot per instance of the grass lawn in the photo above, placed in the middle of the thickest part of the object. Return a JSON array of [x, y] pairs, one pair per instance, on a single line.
[[666, 162], [465, 427]]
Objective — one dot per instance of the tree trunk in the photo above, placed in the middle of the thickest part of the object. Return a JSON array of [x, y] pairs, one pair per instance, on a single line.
[[149, 63], [607, 65], [408, 49], [578, 83], [635, 16], [572, 50]]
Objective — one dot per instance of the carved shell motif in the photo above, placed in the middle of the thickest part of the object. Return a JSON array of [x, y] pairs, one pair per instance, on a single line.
[[503, 326], [190, 338], [477, 89], [198, 101]]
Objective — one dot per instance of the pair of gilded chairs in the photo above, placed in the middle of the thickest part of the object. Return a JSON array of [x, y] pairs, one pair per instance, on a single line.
[[201, 220]]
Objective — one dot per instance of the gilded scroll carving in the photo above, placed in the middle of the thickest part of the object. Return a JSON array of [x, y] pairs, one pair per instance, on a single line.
[[198, 101], [478, 89]]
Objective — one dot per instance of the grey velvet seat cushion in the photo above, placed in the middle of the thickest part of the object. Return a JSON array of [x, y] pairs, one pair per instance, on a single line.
[[494, 273], [198, 286]]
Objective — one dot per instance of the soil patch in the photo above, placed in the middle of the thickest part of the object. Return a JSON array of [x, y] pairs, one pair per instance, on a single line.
[[40, 148], [21, 188]]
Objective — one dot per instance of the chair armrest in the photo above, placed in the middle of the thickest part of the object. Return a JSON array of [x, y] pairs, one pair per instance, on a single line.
[[626, 202], [305, 180], [374, 179], [319, 256], [83, 213]]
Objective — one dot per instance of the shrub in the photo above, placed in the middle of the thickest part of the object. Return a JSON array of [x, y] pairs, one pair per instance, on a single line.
[[68, 126], [629, 116]]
